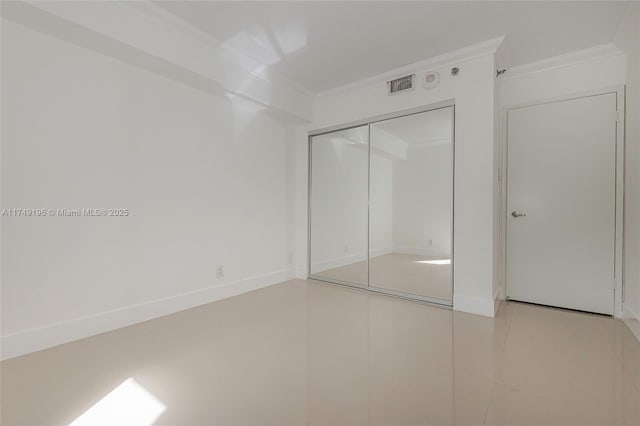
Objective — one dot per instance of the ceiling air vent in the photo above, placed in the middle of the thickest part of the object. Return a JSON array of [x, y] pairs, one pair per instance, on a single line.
[[401, 84]]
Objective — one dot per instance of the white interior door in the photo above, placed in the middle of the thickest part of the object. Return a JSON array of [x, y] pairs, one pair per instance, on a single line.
[[561, 203]]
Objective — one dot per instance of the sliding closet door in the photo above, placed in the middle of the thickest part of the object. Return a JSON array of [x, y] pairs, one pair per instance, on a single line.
[[411, 212], [338, 213]]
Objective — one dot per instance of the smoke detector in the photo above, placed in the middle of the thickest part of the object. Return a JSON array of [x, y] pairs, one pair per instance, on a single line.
[[431, 80]]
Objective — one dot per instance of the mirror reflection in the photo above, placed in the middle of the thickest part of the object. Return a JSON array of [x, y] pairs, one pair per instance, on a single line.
[[411, 204], [339, 198]]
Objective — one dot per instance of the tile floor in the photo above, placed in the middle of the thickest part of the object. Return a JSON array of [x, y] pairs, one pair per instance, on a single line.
[[308, 353]]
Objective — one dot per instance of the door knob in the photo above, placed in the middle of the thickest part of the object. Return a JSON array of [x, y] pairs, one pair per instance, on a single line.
[[517, 214]]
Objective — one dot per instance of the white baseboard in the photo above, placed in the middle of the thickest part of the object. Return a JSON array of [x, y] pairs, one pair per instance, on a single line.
[[381, 251], [632, 319], [475, 305], [421, 251], [337, 262], [502, 294], [497, 300], [35, 339], [301, 272]]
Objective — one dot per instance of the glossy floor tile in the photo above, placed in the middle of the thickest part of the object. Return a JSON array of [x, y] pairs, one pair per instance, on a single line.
[[308, 353]]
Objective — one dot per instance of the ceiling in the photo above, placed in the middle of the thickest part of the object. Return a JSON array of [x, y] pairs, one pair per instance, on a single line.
[[324, 45]]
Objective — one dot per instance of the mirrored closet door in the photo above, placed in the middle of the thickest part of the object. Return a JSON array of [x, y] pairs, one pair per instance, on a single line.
[[381, 205]]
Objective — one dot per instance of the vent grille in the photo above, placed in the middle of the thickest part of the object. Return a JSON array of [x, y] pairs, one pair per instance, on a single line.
[[401, 84]]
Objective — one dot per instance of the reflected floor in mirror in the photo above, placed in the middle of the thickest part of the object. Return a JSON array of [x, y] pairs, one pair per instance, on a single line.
[[408, 273], [309, 353]]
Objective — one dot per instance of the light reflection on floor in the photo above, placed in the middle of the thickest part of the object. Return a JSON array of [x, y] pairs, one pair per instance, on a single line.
[[128, 404]]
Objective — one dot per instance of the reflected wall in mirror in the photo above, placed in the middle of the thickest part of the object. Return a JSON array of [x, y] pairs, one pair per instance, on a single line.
[[411, 180], [338, 206]]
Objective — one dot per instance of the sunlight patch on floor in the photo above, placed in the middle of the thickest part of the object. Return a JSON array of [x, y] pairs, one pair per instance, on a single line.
[[436, 261], [129, 404]]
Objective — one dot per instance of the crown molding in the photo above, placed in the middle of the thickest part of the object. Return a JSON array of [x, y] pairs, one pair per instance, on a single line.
[[572, 58], [462, 55]]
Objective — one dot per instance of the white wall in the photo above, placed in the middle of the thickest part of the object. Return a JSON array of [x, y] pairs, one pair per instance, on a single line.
[[628, 39], [339, 200], [208, 181], [422, 195], [547, 80], [340, 174], [381, 215], [473, 91], [417, 184]]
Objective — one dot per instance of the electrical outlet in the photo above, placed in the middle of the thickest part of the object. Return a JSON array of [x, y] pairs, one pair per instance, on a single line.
[[346, 248], [220, 272], [430, 242], [290, 259]]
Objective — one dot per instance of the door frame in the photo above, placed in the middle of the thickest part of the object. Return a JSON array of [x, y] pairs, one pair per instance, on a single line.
[[618, 278]]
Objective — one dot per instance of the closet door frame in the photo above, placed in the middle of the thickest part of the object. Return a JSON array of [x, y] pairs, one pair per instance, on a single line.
[[368, 121]]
